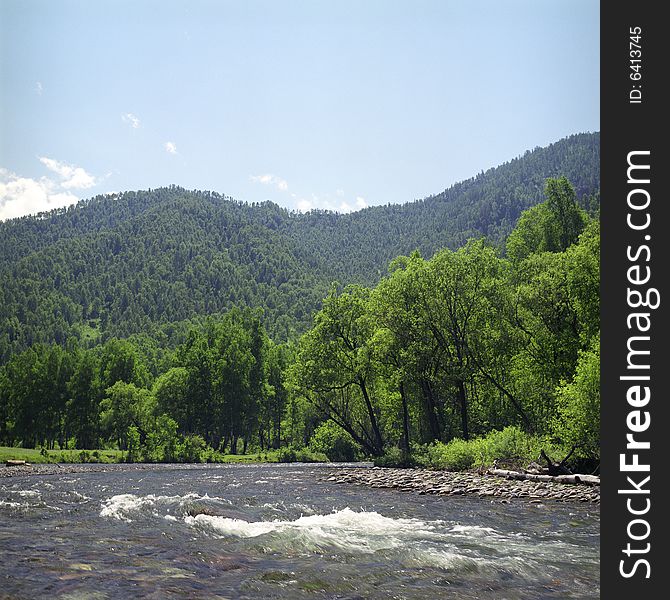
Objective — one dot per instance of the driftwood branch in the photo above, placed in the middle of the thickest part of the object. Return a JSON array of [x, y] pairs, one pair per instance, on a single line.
[[577, 478], [557, 468]]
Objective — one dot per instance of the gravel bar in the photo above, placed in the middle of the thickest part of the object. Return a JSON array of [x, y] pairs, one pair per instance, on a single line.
[[446, 483]]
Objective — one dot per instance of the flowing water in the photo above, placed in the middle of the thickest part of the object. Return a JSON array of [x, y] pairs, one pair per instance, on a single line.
[[276, 531]]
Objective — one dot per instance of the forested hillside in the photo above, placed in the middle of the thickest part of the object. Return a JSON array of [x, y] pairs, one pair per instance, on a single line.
[[451, 361], [137, 262]]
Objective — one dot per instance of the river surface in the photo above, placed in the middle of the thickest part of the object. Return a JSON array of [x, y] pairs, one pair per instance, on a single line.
[[276, 531]]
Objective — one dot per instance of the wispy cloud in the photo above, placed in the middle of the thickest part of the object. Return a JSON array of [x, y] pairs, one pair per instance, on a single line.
[[269, 179], [38, 88], [131, 119], [170, 147]]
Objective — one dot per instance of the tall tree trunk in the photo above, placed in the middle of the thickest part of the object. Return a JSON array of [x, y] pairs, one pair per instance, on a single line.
[[431, 413], [464, 409], [405, 423], [379, 443], [277, 432]]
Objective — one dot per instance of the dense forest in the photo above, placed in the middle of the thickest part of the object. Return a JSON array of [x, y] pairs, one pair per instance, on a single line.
[[169, 323], [136, 262]]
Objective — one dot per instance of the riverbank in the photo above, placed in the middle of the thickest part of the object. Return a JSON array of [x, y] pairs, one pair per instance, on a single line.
[[483, 485], [417, 481], [72, 468]]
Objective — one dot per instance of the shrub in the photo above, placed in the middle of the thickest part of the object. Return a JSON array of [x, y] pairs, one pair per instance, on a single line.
[[337, 445], [133, 437], [161, 441], [511, 444], [287, 455], [290, 454], [392, 457], [457, 455], [192, 448]]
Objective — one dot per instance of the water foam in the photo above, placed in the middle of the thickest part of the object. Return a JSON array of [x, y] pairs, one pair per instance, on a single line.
[[343, 530], [126, 507]]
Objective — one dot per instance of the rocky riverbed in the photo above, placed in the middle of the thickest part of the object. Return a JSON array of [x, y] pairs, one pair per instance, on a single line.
[[445, 483], [418, 481], [68, 469]]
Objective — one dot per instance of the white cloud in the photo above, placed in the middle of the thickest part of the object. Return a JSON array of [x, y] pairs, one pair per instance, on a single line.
[[269, 179], [131, 119], [340, 193], [38, 88], [304, 205], [327, 202], [170, 147], [23, 196], [73, 177]]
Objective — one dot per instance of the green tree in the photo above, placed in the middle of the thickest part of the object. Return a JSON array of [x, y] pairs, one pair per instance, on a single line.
[[172, 393], [123, 407], [578, 419], [83, 404], [120, 361], [334, 369], [569, 218]]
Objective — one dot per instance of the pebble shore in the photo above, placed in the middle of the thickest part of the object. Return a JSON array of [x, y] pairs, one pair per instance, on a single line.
[[445, 483], [418, 481], [69, 469]]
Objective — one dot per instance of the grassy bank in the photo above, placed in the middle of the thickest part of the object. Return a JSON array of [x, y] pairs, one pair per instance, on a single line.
[[43, 456]]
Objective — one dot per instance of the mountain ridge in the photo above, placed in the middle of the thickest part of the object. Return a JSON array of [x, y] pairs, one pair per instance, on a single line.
[[120, 264]]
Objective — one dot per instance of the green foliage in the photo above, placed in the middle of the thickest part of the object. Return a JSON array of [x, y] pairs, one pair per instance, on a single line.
[[510, 448], [192, 449], [133, 445], [457, 355], [552, 226], [456, 455], [162, 442], [334, 442], [304, 455], [578, 420], [125, 407], [509, 445], [138, 262]]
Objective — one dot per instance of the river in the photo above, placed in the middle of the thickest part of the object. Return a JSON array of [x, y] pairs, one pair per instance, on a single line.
[[278, 531]]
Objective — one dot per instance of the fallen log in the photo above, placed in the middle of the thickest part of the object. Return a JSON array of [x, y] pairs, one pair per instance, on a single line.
[[584, 479], [15, 463]]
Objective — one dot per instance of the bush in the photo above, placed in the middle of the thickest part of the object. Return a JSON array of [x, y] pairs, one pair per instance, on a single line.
[[290, 455], [287, 455], [338, 446], [511, 445], [192, 448], [579, 405], [162, 440], [133, 437], [457, 455], [392, 457]]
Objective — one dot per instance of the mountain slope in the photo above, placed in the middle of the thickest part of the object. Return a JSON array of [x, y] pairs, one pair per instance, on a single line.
[[126, 263]]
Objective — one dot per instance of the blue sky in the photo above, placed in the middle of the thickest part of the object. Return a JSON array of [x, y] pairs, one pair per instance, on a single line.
[[311, 104]]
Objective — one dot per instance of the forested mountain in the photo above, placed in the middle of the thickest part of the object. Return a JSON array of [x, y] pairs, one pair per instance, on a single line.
[[140, 261]]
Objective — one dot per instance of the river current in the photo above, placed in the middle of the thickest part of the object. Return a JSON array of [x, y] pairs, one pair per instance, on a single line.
[[278, 531]]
